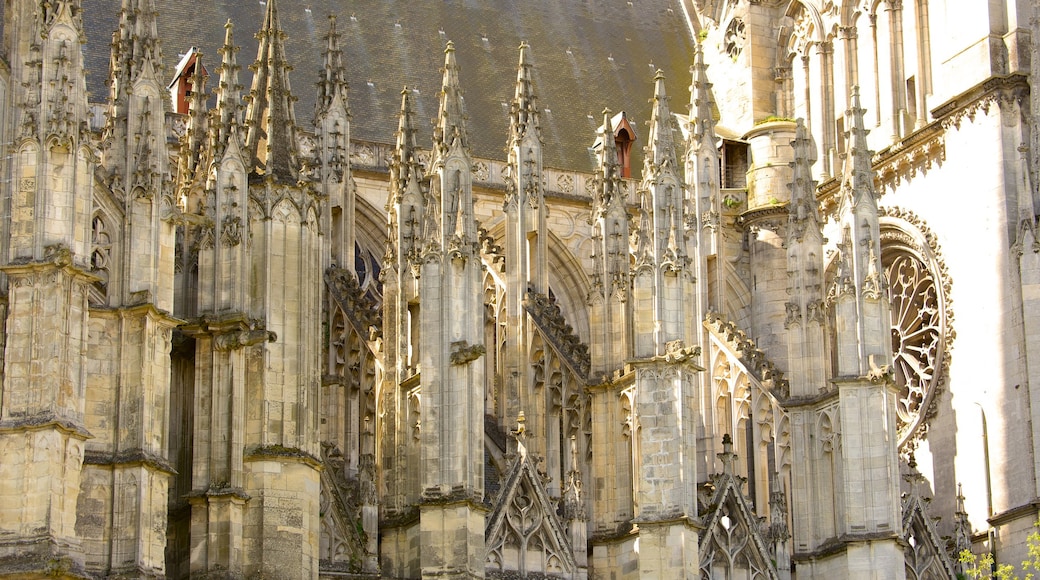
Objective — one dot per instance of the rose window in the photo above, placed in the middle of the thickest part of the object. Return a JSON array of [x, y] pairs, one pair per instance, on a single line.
[[919, 325]]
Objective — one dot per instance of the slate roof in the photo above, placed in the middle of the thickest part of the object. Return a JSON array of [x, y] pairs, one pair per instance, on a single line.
[[587, 55]]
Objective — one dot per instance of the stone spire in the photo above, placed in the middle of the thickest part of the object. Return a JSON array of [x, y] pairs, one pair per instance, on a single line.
[[450, 129], [139, 39], [805, 309], [405, 169], [226, 116], [610, 279], [702, 104], [524, 117], [803, 215], [270, 116], [136, 58], [195, 132], [451, 353], [662, 278], [660, 145], [333, 82], [332, 124], [704, 181], [661, 175], [402, 264], [863, 345], [451, 164], [405, 205], [857, 184], [526, 253]]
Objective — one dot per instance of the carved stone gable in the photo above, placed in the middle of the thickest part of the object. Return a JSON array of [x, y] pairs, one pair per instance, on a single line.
[[731, 544], [524, 535], [924, 551]]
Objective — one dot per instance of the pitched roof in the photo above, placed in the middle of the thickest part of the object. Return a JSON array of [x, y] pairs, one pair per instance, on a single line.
[[587, 55]]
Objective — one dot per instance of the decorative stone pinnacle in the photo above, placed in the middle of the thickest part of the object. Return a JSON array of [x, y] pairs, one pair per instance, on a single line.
[[727, 456], [702, 115], [271, 118]]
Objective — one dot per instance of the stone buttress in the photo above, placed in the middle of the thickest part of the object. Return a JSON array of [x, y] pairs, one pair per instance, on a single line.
[[855, 442], [452, 515], [47, 270], [665, 362], [400, 399], [123, 501]]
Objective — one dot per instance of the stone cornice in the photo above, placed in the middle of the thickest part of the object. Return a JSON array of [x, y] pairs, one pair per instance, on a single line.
[[841, 543], [147, 309], [129, 457], [1029, 509], [46, 420], [979, 97], [283, 453], [926, 147]]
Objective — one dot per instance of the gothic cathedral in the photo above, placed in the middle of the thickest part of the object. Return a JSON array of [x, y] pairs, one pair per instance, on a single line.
[[544, 289]]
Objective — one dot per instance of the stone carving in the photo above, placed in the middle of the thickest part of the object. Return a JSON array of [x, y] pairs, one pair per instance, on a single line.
[[481, 171], [524, 534], [231, 231], [464, 353], [550, 321], [732, 534], [677, 351], [922, 316], [750, 355], [361, 308], [736, 37], [242, 338], [492, 252], [565, 183]]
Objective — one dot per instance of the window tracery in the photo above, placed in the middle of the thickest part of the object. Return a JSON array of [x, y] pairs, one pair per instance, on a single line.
[[101, 253], [921, 320]]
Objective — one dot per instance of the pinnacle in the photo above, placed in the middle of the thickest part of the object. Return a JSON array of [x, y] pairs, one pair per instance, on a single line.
[[138, 40], [451, 126], [803, 208], [524, 112], [857, 176], [607, 154], [270, 116], [701, 103], [660, 147], [228, 89], [406, 144], [333, 81]]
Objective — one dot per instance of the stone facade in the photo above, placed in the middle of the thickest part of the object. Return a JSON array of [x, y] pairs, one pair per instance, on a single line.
[[235, 345]]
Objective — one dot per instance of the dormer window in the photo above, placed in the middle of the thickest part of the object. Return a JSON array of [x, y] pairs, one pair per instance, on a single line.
[[624, 137], [181, 87]]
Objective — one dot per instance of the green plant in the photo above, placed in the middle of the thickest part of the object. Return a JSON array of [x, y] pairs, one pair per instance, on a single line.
[[772, 118], [983, 567], [730, 202]]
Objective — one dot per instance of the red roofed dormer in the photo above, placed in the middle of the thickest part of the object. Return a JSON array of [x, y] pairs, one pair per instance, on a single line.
[[180, 87]]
